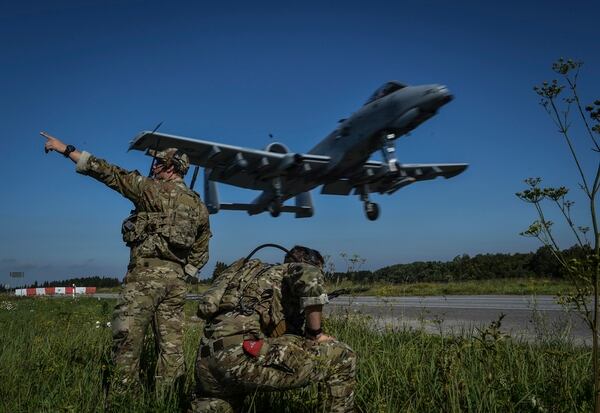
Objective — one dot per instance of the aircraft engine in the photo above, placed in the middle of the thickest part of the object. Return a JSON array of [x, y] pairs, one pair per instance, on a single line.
[[290, 161], [277, 147]]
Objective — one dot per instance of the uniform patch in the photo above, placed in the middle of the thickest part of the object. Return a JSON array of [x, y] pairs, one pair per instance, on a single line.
[[252, 347]]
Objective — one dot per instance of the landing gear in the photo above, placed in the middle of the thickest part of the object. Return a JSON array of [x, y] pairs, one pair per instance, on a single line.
[[276, 204], [371, 210], [388, 150], [275, 207]]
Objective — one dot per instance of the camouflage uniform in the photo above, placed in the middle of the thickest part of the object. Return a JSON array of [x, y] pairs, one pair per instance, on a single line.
[[268, 307], [168, 233]]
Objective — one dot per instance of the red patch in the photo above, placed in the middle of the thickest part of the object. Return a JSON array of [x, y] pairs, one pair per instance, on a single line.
[[252, 347]]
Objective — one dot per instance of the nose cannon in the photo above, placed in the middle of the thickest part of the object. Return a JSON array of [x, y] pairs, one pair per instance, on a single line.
[[439, 96]]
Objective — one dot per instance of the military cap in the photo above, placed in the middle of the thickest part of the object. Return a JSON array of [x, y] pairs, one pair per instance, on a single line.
[[172, 156]]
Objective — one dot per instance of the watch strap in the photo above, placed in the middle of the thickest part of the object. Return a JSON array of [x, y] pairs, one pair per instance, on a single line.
[[68, 150], [309, 332]]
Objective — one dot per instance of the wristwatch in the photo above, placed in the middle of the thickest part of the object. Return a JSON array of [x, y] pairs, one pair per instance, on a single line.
[[68, 150]]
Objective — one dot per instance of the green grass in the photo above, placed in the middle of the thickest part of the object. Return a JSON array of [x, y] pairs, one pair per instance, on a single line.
[[52, 359]]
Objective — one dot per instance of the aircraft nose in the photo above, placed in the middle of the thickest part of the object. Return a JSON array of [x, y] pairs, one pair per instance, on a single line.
[[444, 94], [440, 93]]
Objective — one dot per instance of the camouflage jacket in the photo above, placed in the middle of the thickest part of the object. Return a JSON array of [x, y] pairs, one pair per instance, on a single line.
[[169, 221], [275, 296]]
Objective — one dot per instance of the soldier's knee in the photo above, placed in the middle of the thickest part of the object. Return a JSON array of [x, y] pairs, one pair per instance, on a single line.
[[345, 358], [120, 327]]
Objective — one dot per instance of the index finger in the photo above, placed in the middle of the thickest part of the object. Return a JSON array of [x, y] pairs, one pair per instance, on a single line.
[[47, 135]]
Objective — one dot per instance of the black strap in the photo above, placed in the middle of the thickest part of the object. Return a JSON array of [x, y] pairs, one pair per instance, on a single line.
[[217, 345], [264, 246], [310, 333], [68, 150]]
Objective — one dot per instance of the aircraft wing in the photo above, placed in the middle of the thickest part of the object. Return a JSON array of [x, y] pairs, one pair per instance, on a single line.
[[235, 165], [379, 178]]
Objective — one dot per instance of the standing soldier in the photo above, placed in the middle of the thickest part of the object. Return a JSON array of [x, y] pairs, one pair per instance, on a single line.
[[263, 333], [168, 234]]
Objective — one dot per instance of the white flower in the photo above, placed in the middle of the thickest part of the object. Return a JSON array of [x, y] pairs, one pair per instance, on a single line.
[[7, 305], [108, 324]]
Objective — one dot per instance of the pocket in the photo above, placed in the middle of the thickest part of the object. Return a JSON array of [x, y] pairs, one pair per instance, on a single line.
[[182, 227], [281, 357]]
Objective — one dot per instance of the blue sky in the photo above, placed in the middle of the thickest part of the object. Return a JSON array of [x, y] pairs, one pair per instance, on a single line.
[[96, 73]]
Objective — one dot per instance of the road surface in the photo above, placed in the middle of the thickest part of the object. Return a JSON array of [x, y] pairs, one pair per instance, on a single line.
[[526, 317]]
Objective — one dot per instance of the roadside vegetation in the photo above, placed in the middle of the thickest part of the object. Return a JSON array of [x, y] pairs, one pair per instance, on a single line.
[[54, 354], [498, 286], [578, 126], [516, 286]]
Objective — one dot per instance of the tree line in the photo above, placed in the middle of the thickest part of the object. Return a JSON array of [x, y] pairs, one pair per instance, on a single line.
[[540, 263]]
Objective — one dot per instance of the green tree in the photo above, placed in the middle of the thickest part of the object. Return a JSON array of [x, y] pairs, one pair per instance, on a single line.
[[328, 267], [353, 263], [561, 100], [219, 268]]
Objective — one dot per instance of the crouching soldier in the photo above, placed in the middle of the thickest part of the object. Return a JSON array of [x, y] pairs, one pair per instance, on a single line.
[[263, 333]]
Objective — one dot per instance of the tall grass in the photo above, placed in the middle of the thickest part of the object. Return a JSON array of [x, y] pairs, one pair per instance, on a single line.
[[52, 357]]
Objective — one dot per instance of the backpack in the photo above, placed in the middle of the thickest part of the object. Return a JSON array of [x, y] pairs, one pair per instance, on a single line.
[[227, 290]]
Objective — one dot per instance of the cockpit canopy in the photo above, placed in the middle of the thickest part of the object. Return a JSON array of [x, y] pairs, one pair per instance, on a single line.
[[386, 89]]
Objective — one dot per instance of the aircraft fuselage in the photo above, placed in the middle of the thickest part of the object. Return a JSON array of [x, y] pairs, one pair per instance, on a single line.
[[397, 113]]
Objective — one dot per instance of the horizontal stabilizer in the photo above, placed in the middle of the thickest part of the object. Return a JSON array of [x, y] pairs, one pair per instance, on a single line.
[[300, 211]]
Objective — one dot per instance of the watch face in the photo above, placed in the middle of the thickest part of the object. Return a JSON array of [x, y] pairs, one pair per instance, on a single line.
[[68, 150]]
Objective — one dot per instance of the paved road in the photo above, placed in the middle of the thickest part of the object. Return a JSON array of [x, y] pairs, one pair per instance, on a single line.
[[525, 316]]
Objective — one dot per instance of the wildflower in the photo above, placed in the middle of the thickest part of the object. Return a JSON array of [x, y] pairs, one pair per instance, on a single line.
[[7, 305], [97, 324], [108, 324], [536, 404]]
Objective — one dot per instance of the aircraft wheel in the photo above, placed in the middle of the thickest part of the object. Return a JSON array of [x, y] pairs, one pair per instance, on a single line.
[[372, 210], [275, 208]]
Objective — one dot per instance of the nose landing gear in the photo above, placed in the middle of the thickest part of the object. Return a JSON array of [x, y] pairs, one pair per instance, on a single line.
[[388, 150]]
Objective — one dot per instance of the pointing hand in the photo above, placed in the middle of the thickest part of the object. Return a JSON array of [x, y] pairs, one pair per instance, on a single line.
[[52, 143]]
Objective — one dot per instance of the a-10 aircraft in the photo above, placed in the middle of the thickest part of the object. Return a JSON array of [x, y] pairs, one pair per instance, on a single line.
[[340, 162]]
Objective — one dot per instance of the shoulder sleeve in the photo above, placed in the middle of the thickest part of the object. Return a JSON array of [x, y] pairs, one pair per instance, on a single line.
[[308, 283], [128, 183]]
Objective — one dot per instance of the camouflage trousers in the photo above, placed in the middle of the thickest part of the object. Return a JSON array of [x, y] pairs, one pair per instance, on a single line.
[[286, 362], [154, 293]]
